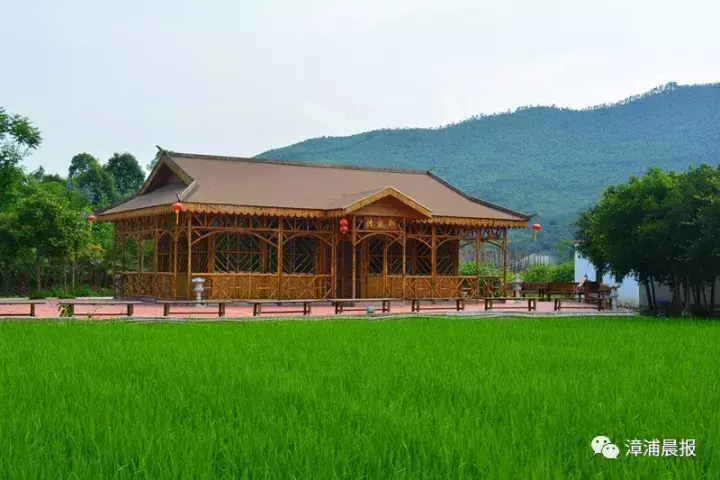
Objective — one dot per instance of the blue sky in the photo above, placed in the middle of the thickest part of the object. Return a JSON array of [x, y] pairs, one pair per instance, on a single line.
[[238, 77]]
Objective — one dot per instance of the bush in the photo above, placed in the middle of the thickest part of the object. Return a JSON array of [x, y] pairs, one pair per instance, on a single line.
[[538, 272], [79, 291], [564, 272], [486, 270]]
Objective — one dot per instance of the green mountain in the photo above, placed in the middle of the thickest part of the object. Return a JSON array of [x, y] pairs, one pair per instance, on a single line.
[[545, 160]]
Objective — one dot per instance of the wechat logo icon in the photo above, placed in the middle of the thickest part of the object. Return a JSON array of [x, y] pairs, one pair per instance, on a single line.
[[603, 446]]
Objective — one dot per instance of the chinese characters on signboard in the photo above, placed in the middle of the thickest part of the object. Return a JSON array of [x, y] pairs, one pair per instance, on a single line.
[[380, 223]]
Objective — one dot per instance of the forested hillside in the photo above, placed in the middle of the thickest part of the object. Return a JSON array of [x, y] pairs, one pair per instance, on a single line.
[[546, 160]]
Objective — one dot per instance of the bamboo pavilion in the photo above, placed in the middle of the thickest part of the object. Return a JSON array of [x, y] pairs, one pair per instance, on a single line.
[[263, 229]]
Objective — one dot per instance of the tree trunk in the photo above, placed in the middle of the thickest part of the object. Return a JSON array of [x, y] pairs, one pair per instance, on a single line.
[[648, 294], [676, 306], [74, 263], [654, 298], [712, 293], [38, 268], [6, 281], [686, 299]]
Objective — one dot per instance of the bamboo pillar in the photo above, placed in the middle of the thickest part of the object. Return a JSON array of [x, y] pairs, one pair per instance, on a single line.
[[175, 262], [139, 242], [263, 257], [354, 256], [505, 242], [478, 247], [211, 254], [404, 252], [124, 255], [385, 266], [156, 247], [280, 258], [320, 267], [114, 268], [455, 244], [433, 259], [333, 262], [189, 254]]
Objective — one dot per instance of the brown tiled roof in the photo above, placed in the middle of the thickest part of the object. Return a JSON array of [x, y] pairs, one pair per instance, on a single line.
[[265, 183]]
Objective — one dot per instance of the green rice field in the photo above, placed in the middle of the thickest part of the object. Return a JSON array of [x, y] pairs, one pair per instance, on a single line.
[[418, 398]]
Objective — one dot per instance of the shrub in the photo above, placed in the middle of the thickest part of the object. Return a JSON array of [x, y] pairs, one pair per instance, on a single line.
[[486, 269], [79, 291], [538, 272], [564, 272]]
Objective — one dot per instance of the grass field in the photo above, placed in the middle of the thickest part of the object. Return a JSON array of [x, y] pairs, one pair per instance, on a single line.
[[437, 398]]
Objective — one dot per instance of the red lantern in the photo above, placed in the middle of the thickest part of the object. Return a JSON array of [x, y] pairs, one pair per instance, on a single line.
[[343, 229], [536, 228], [343, 223], [177, 208], [90, 219]]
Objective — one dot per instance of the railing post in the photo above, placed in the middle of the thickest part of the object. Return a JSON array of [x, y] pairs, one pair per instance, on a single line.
[[280, 258], [404, 255], [433, 260]]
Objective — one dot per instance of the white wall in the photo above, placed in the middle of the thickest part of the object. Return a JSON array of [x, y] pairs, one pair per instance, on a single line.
[[629, 291]]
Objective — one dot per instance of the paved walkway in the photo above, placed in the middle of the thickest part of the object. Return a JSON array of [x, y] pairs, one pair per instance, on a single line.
[[240, 311]]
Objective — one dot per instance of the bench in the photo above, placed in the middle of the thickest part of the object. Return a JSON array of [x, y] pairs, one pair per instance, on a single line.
[[599, 304], [561, 288], [531, 303], [341, 304], [67, 307], [415, 305], [258, 306], [167, 304], [20, 301], [533, 288]]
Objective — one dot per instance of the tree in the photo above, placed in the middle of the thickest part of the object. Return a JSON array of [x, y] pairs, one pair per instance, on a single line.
[[661, 227], [564, 250], [151, 164], [18, 137], [80, 164], [625, 233], [45, 223], [39, 175], [128, 174], [91, 179]]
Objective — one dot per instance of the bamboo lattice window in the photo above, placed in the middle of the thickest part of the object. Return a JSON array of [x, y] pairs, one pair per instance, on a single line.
[[394, 258], [419, 258], [239, 252], [164, 255], [148, 253], [299, 255], [445, 258], [182, 256], [201, 255], [375, 260]]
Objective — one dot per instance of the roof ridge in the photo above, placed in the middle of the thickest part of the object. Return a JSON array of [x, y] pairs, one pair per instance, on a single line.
[[478, 200], [203, 156]]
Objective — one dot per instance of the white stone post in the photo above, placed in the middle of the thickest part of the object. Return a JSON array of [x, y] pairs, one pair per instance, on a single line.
[[198, 289], [517, 288], [614, 297]]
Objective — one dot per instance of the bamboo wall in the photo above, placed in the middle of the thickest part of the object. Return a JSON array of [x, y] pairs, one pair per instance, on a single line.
[[260, 257]]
